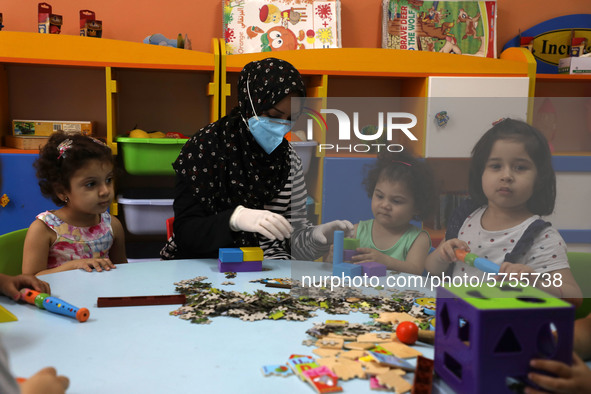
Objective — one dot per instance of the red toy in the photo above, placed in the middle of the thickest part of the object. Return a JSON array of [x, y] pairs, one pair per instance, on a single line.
[[407, 332]]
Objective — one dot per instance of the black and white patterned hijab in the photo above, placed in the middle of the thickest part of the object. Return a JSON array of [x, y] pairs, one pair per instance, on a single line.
[[223, 164]]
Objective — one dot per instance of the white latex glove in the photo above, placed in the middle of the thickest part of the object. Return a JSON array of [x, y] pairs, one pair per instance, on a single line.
[[266, 223], [324, 233]]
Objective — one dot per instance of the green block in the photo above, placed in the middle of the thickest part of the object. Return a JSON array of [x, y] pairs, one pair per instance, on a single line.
[[469, 259], [350, 243], [507, 297]]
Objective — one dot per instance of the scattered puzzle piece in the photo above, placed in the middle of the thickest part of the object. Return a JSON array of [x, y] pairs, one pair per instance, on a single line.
[[376, 337], [373, 368], [358, 345], [330, 343], [323, 352], [393, 380], [401, 350], [352, 354], [323, 380], [278, 370], [347, 369], [391, 361], [394, 317]]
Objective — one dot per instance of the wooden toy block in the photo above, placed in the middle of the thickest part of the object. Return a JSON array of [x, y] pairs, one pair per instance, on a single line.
[[348, 254], [243, 266], [102, 302], [423, 381], [373, 269], [346, 269], [277, 370], [252, 253], [230, 255], [351, 243], [323, 380], [486, 335]]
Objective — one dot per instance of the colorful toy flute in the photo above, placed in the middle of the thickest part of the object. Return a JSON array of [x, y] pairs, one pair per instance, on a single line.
[[53, 304], [481, 263]]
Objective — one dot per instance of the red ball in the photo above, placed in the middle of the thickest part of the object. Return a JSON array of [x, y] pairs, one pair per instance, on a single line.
[[407, 332]]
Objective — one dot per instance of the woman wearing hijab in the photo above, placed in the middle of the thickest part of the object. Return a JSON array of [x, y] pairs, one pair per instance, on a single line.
[[240, 183]]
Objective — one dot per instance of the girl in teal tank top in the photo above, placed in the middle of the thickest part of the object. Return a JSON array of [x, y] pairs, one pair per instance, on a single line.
[[401, 188]]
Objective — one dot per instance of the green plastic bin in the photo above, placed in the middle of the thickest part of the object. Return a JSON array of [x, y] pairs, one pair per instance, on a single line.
[[150, 156]]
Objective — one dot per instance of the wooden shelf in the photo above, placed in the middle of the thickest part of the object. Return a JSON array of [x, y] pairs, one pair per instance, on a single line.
[[385, 63], [65, 50]]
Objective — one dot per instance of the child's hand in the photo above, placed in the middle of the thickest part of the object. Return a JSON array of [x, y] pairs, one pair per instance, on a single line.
[[569, 379], [99, 264], [10, 285], [46, 381], [445, 250], [366, 255]]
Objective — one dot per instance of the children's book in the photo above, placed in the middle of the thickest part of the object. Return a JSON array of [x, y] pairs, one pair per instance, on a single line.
[[278, 25], [462, 27]]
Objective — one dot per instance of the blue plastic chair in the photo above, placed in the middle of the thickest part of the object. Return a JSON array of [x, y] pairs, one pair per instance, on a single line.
[[11, 252]]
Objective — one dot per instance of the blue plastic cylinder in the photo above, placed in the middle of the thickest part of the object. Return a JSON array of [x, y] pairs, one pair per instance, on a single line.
[[338, 247], [486, 265]]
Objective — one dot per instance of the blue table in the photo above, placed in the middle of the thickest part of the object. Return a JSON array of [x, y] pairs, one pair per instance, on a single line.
[[144, 349]]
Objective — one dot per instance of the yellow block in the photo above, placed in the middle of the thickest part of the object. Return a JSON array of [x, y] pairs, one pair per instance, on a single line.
[[252, 253], [6, 316]]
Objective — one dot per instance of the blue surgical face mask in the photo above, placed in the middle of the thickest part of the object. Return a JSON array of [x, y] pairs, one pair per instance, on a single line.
[[268, 132]]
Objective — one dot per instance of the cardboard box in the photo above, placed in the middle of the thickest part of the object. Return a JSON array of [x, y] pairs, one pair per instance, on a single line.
[[267, 26], [461, 27], [46, 127], [575, 65], [25, 142], [43, 17]]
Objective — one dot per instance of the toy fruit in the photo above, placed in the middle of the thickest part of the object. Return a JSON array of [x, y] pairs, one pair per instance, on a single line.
[[138, 133], [407, 332], [157, 134], [174, 134]]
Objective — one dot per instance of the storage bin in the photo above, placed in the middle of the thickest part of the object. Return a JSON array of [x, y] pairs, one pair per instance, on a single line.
[[150, 156], [146, 216]]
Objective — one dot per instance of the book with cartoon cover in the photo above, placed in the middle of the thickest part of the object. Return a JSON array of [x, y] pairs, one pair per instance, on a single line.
[[278, 25], [462, 27]]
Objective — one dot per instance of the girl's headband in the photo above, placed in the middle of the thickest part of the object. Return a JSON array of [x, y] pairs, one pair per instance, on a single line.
[[66, 144]]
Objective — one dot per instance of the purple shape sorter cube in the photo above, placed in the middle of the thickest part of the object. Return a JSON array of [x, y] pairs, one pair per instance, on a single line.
[[373, 269], [486, 336], [347, 269], [243, 266]]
